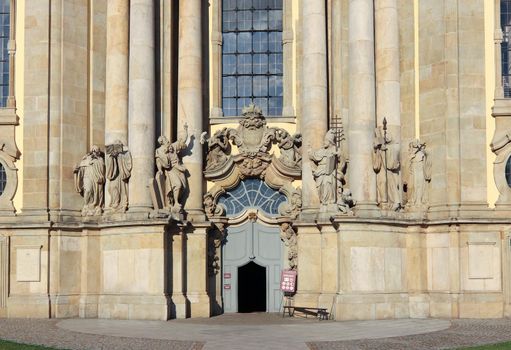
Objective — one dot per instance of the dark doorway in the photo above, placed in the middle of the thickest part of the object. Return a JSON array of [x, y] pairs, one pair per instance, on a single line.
[[251, 288]]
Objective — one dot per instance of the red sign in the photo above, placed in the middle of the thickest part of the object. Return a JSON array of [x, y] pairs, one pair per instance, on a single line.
[[227, 275], [288, 281], [227, 286]]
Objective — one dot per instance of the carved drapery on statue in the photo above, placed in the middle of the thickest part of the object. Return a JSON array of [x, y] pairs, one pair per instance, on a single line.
[[420, 174], [118, 172], [387, 166], [329, 172], [89, 176], [170, 183]]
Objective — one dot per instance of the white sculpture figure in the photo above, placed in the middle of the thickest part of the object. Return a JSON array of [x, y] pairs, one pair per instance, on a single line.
[[169, 164], [290, 147], [387, 165], [325, 160], [118, 171], [420, 173], [289, 237], [89, 178]]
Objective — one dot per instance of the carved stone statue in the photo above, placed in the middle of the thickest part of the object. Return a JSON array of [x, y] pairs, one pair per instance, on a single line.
[[89, 178], [290, 148], [289, 237], [345, 200], [254, 139], [211, 208], [219, 148], [292, 209], [325, 172], [118, 171], [420, 173], [387, 165], [171, 171]]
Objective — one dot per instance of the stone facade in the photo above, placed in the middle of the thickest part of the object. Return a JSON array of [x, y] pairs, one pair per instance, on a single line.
[[384, 215]]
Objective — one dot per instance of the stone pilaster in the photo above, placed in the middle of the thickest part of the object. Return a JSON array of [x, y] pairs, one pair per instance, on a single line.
[[197, 272], [314, 117], [388, 96], [179, 301], [117, 59], [141, 102], [362, 181], [190, 107]]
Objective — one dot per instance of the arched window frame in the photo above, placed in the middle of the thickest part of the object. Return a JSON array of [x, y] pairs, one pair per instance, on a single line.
[[216, 112]]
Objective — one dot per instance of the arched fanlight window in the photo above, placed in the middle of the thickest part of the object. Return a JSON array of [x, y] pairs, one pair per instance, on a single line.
[[252, 193]]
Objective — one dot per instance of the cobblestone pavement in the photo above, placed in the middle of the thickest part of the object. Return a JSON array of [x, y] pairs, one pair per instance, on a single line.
[[462, 333], [256, 331], [45, 332]]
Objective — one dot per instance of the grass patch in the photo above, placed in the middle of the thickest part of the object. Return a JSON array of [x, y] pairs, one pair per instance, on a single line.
[[9, 345], [501, 346]]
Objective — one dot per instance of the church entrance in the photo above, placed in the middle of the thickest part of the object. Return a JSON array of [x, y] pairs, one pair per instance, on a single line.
[[251, 266], [251, 288]]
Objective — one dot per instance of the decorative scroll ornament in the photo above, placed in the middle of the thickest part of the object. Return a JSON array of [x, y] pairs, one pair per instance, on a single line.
[[292, 209], [89, 177], [290, 239], [420, 174], [170, 182], [118, 172], [216, 237], [387, 166], [254, 139], [211, 208]]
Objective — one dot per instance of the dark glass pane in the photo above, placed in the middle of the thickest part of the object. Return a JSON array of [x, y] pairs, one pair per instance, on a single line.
[[275, 19], [229, 64], [244, 20], [244, 42], [245, 86], [262, 103], [260, 4], [275, 106], [260, 65], [229, 21], [261, 42], [244, 64], [508, 172], [229, 107], [260, 20], [275, 63], [275, 4], [275, 86], [3, 178], [260, 86], [229, 4], [244, 4], [242, 103], [275, 42], [229, 87], [229, 43]]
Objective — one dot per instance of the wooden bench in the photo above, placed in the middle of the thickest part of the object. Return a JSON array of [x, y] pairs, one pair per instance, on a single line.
[[318, 312]]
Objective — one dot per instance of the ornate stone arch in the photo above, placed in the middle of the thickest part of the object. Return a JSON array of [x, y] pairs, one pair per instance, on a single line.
[[254, 140]]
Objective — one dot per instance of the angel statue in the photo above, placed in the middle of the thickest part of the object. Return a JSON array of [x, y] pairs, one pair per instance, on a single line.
[[89, 176]]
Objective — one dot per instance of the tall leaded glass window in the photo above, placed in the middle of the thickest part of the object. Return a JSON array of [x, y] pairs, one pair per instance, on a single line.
[[5, 27], [505, 22], [252, 61]]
